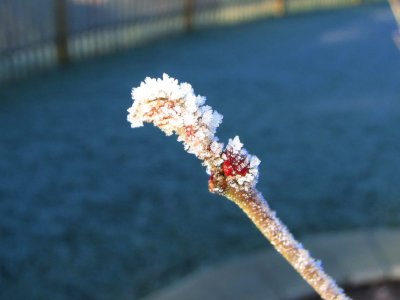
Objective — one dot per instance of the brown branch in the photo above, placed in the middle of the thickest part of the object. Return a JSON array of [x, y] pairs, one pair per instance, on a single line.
[[256, 208]]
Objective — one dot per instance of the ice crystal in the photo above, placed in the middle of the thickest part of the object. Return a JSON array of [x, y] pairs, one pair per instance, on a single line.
[[175, 109], [239, 166]]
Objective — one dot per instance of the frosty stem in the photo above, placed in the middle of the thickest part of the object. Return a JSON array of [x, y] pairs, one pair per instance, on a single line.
[[174, 108], [256, 208]]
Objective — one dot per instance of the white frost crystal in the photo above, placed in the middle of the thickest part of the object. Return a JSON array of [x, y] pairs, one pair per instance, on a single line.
[[174, 108], [244, 165]]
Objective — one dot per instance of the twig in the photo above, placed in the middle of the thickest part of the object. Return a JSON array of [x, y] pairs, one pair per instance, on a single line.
[[257, 209], [174, 108]]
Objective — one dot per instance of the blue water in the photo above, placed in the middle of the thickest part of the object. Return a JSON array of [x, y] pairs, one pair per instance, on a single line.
[[91, 209]]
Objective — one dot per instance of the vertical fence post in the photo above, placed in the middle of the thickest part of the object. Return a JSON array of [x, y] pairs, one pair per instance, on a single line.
[[280, 7], [61, 25], [188, 14]]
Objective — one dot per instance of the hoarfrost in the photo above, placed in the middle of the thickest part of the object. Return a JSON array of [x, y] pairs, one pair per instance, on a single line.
[[174, 108]]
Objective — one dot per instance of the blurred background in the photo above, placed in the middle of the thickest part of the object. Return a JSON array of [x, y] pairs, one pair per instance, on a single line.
[[91, 209]]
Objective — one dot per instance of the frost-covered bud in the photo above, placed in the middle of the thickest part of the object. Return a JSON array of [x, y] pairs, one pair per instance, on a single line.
[[175, 109], [239, 166]]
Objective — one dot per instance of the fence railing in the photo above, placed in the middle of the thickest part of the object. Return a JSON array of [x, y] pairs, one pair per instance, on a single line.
[[36, 35]]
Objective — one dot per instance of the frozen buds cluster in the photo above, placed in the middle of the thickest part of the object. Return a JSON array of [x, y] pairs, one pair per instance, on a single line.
[[175, 109]]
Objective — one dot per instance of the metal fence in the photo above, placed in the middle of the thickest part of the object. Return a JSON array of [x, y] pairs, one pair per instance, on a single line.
[[36, 35]]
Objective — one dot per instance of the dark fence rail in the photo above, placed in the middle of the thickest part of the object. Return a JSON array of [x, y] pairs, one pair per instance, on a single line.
[[39, 34]]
